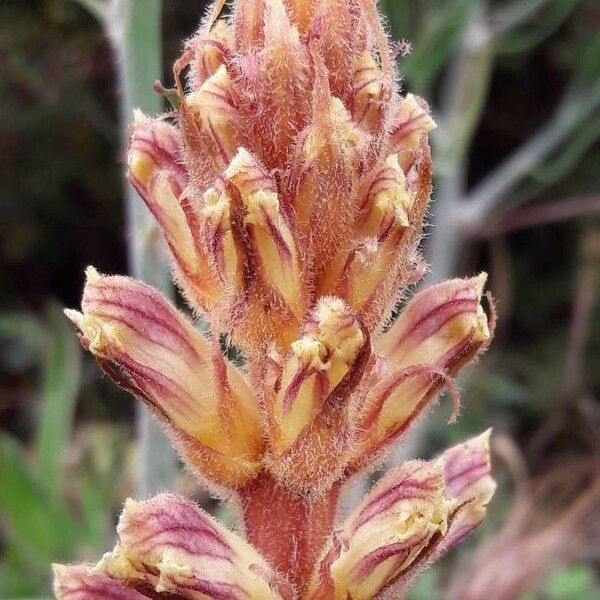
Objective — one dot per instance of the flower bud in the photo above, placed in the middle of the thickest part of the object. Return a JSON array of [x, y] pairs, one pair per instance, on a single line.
[[468, 481], [75, 582], [440, 330], [208, 53], [248, 21], [302, 12], [153, 351], [340, 36], [384, 216], [317, 363], [386, 536], [213, 110], [411, 121], [435, 321], [413, 515], [368, 93], [219, 237], [325, 199], [282, 92], [399, 248], [155, 170], [268, 230], [167, 545]]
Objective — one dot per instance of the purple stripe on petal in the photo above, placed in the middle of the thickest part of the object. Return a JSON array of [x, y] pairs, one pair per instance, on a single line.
[[74, 582]]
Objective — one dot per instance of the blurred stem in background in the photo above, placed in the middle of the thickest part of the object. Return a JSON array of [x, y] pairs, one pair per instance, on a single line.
[[459, 213], [134, 31]]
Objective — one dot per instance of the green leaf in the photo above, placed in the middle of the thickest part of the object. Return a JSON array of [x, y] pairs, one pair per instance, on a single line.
[[542, 27], [436, 36], [39, 529], [22, 335], [60, 387], [574, 583]]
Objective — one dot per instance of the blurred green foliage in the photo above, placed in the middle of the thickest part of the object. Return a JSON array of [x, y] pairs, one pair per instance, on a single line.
[[58, 493]]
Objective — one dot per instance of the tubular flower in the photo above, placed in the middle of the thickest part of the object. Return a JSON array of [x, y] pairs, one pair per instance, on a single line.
[[415, 513], [291, 186]]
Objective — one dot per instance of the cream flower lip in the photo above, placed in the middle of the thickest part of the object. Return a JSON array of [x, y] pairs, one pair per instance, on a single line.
[[291, 183]]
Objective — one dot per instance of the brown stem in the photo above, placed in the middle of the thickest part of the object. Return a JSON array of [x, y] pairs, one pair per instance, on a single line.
[[583, 307], [288, 530]]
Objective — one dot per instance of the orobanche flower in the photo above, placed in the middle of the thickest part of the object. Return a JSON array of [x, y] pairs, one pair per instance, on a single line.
[[291, 183]]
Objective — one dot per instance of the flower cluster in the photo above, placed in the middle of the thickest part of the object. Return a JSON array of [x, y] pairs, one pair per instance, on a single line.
[[291, 184]]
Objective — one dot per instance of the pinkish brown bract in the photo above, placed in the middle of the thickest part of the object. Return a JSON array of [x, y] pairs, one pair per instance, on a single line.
[[291, 185]]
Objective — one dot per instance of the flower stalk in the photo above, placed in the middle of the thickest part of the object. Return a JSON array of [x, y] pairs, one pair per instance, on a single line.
[[291, 185]]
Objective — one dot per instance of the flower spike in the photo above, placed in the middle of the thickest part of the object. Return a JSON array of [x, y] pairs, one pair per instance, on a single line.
[[291, 182]]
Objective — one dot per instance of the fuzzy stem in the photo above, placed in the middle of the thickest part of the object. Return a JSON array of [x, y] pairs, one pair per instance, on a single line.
[[289, 530], [135, 35]]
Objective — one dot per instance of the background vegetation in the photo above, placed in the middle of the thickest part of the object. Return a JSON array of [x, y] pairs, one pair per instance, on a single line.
[[515, 87]]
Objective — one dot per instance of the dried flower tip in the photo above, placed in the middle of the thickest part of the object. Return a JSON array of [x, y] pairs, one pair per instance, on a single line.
[[150, 349], [317, 364]]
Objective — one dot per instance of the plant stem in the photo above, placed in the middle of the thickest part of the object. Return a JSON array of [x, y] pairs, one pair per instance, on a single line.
[[134, 29], [288, 530]]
